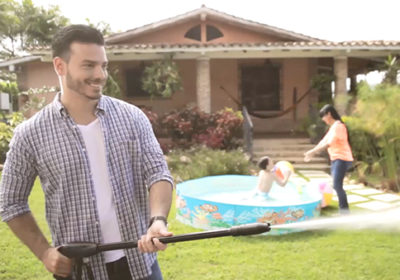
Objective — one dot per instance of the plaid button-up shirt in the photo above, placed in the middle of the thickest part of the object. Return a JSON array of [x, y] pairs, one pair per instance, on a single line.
[[50, 145]]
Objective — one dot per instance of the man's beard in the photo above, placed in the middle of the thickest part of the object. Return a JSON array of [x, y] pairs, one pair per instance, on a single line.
[[79, 87]]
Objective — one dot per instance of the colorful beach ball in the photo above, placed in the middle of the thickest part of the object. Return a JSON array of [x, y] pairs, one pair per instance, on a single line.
[[282, 168], [327, 193]]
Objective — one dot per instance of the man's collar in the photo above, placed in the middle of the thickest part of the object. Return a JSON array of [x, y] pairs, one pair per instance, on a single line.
[[101, 105]]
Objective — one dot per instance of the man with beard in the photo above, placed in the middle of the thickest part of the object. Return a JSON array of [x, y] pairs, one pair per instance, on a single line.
[[101, 169]]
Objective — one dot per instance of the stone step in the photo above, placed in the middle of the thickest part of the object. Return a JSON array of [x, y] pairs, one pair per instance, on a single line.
[[282, 141], [282, 153], [269, 148], [295, 160], [311, 166], [294, 156], [289, 148]]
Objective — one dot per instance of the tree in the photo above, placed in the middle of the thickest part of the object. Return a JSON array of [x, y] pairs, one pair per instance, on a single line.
[[112, 87], [102, 26], [9, 23], [392, 67], [24, 25], [162, 78]]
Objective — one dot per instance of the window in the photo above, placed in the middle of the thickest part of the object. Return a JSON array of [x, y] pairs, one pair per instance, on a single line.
[[194, 33], [134, 82], [213, 33]]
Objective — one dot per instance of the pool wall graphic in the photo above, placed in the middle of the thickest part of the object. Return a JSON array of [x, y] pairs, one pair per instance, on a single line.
[[216, 202]]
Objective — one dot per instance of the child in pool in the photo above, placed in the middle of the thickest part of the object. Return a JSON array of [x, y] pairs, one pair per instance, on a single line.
[[267, 176]]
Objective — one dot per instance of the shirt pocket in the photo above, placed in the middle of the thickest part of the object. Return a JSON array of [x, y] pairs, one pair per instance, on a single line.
[[127, 148], [125, 156]]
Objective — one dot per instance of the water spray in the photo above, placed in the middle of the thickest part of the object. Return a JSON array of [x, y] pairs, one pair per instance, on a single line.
[[385, 220]]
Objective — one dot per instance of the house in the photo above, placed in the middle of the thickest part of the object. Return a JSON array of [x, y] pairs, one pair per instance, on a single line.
[[226, 61]]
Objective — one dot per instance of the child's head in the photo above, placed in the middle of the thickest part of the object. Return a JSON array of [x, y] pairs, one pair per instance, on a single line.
[[265, 163]]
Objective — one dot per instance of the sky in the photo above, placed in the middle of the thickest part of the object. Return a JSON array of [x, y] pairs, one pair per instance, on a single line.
[[334, 20]]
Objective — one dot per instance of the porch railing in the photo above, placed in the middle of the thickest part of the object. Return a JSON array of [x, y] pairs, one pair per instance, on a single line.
[[247, 132]]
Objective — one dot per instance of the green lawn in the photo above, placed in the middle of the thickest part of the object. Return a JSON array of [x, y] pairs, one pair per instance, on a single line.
[[307, 255]]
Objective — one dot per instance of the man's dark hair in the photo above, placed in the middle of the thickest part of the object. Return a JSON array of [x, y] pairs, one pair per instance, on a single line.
[[263, 162], [74, 33]]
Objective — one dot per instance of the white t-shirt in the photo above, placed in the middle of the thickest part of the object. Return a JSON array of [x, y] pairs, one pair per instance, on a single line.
[[94, 142]]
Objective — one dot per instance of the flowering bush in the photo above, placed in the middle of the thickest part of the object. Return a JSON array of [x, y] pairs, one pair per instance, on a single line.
[[212, 137], [153, 118], [185, 123], [189, 126]]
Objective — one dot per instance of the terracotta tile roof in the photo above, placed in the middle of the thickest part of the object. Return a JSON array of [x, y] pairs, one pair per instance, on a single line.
[[266, 45]]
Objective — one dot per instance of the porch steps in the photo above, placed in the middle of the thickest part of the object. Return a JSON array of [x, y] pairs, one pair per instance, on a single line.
[[288, 147]]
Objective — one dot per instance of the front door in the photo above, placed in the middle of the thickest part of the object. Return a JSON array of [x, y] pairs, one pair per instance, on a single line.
[[260, 87]]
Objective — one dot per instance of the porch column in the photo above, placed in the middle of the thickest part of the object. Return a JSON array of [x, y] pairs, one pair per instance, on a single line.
[[341, 72], [353, 83], [203, 84]]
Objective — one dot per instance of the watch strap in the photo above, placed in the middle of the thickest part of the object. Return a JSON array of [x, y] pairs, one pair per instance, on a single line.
[[158, 218]]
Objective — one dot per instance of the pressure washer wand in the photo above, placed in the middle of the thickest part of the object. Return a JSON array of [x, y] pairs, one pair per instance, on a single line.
[[80, 251], [87, 249]]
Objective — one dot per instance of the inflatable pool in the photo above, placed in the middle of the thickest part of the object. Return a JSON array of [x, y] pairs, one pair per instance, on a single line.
[[216, 202]]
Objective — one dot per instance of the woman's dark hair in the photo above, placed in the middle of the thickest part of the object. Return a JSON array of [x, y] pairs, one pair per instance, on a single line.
[[74, 33], [263, 162], [328, 108]]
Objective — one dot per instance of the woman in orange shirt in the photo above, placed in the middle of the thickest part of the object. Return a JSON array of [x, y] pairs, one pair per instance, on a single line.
[[336, 141]]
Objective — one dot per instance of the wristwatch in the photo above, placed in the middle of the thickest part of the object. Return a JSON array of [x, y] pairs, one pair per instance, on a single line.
[[155, 218]]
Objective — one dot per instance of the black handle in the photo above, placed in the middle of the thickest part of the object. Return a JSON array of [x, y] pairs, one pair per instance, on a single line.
[[78, 249], [248, 229], [86, 249]]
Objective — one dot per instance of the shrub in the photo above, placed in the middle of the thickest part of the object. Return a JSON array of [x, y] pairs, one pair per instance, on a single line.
[[182, 124], [154, 120], [200, 161], [225, 133], [6, 132], [221, 130], [374, 130]]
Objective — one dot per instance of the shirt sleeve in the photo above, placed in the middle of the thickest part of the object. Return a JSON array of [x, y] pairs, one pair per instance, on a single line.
[[337, 132], [324, 140], [17, 180], [155, 165]]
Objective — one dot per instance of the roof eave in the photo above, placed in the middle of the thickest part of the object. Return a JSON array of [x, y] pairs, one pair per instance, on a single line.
[[19, 60], [247, 52]]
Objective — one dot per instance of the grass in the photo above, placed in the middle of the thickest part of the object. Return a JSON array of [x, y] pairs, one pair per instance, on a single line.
[[16, 260], [362, 255]]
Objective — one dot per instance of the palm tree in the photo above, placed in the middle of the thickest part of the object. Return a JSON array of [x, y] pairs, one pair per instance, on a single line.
[[392, 67]]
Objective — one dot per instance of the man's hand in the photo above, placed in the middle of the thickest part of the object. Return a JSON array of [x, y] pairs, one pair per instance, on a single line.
[[56, 263], [149, 242]]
